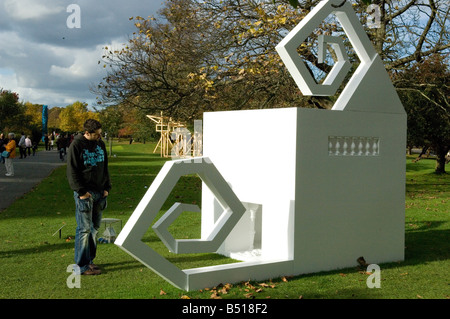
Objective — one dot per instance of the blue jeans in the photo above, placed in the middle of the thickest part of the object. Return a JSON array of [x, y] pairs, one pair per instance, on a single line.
[[88, 215]]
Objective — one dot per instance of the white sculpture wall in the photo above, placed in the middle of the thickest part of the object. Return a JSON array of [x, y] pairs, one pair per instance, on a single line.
[[321, 207], [326, 190]]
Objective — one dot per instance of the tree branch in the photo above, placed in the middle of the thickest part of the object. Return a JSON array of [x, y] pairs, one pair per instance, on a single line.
[[412, 57], [400, 12], [426, 97]]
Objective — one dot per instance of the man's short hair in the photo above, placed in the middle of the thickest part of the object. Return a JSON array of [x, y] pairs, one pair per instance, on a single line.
[[92, 125]]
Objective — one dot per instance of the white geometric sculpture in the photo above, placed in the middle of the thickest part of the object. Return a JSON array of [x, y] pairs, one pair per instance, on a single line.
[[333, 192], [130, 238], [367, 82]]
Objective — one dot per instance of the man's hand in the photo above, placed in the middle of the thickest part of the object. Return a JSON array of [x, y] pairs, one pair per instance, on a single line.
[[87, 195], [105, 193]]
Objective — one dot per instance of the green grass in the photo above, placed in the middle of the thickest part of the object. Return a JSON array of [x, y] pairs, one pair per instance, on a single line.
[[33, 263]]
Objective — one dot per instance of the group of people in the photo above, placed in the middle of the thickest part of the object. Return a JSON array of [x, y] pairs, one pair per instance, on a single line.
[[61, 140], [8, 151], [27, 147]]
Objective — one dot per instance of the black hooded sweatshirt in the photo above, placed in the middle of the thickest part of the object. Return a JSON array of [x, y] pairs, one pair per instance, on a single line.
[[87, 166]]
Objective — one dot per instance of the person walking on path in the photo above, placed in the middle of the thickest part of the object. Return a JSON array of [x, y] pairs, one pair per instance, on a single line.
[[52, 141], [11, 148], [61, 144], [22, 147], [88, 177], [46, 142], [35, 147], [28, 145]]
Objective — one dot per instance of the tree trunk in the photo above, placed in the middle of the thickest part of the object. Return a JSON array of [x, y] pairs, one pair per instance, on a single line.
[[441, 152]]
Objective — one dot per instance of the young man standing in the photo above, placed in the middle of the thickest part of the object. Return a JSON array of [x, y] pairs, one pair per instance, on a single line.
[[88, 176]]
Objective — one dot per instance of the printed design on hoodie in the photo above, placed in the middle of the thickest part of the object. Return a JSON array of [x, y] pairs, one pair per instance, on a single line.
[[92, 158]]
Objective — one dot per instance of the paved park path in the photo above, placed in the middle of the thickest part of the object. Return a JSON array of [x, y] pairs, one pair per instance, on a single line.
[[28, 173]]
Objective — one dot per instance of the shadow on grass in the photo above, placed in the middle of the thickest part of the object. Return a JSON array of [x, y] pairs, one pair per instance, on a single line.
[[424, 246], [424, 187], [428, 183], [119, 266], [426, 164], [190, 261], [37, 249], [133, 156], [344, 293]]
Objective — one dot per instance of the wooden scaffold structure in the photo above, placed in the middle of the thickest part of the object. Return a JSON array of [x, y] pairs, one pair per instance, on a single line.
[[165, 125]]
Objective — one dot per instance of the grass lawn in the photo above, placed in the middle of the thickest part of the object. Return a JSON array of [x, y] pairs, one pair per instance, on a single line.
[[33, 263]]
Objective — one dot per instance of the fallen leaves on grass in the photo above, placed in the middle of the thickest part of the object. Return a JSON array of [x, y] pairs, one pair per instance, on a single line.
[[257, 288], [224, 290], [264, 285], [284, 279], [216, 292], [249, 290], [215, 295]]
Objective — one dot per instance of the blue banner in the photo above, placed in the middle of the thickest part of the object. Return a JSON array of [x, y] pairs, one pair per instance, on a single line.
[[44, 121]]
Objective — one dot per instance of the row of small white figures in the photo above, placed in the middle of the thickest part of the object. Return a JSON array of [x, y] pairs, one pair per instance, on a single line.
[[353, 146]]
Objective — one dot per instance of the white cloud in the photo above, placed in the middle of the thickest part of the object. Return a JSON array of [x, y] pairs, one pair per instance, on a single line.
[[85, 62], [12, 45], [8, 78], [32, 9], [83, 66]]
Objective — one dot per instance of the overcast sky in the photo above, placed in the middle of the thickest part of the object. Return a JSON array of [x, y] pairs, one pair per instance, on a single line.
[[48, 61]]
